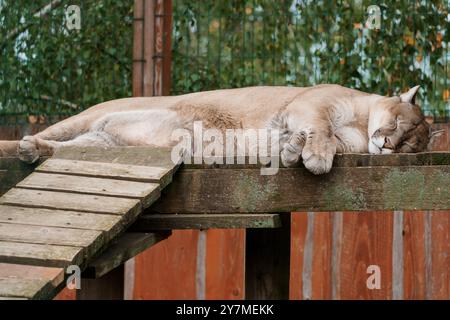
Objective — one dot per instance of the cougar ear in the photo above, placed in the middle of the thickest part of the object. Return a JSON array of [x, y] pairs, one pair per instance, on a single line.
[[433, 135], [410, 96]]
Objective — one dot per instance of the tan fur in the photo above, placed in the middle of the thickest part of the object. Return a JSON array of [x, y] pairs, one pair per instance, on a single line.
[[315, 122]]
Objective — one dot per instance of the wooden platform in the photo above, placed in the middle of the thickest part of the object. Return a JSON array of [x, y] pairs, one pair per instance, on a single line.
[[69, 211], [98, 208]]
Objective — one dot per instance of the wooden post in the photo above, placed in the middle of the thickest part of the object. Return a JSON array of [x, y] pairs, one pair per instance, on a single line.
[[152, 47], [267, 264], [108, 287]]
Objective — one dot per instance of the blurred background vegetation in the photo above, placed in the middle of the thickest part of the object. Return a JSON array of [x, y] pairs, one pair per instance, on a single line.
[[47, 70]]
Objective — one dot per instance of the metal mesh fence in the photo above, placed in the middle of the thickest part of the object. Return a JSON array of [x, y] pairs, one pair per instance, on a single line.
[[223, 44], [50, 68], [48, 71]]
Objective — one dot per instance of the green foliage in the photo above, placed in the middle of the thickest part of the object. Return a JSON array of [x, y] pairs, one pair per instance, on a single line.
[[223, 44], [48, 69]]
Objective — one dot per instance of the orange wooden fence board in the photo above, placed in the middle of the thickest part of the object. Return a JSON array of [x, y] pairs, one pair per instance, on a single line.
[[414, 255], [168, 270], [225, 254]]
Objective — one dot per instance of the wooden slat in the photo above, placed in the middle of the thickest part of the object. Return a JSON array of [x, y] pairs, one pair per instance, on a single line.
[[58, 218], [352, 189], [50, 235], [149, 222], [299, 223], [40, 254], [146, 192], [105, 170], [367, 239], [70, 201], [321, 286], [438, 286], [225, 264], [414, 269], [123, 248], [138, 156], [28, 281], [168, 270]]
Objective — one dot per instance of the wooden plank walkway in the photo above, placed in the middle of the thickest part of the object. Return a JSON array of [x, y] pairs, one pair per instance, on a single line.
[[70, 210]]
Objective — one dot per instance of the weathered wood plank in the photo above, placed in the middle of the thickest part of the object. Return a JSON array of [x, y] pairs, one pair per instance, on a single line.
[[225, 264], [30, 282], [321, 286], [50, 235], [342, 160], [160, 175], [58, 218], [138, 156], [414, 270], [438, 278], [146, 192], [267, 265], [299, 225], [149, 222], [350, 189], [123, 248], [70, 201], [40, 254], [367, 240]]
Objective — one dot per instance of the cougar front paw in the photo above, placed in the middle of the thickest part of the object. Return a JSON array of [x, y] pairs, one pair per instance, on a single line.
[[290, 156], [292, 150], [318, 161], [27, 149]]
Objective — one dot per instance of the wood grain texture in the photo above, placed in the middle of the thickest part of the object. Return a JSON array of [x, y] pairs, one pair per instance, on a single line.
[[29, 282], [414, 270], [105, 170], [237, 190], [145, 192], [58, 218], [148, 222], [40, 254], [366, 240], [322, 255], [70, 201], [168, 269], [50, 235], [299, 222], [438, 286], [225, 262], [136, 156]]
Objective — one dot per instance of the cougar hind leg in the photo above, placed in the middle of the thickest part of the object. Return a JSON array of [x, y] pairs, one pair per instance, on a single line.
[[31, 147]]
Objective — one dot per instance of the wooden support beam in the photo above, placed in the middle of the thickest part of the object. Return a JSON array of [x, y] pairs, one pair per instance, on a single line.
[[369, 188], [150, 222], [123, 248], [267, 262]]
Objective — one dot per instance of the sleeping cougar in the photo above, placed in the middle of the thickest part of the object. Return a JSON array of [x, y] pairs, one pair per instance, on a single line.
[[314, 122]]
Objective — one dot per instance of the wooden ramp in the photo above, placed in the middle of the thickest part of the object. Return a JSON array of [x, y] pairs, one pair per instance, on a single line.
[[70, 209]]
